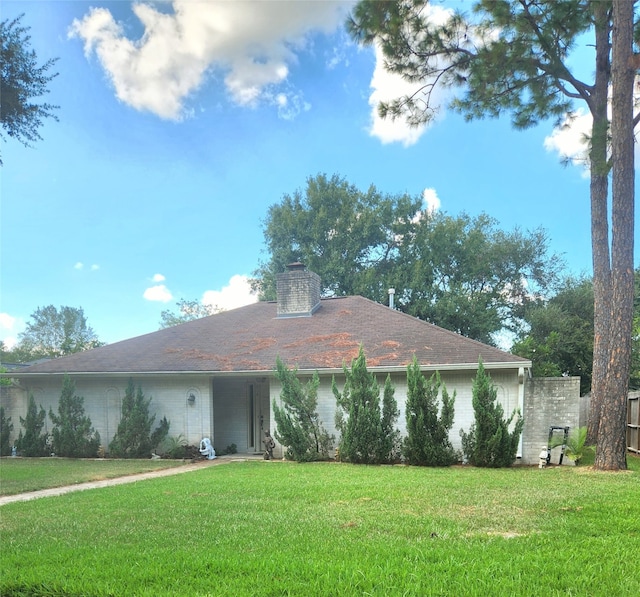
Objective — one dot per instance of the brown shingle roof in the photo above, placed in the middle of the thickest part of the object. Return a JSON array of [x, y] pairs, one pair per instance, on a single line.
[[250, 338]]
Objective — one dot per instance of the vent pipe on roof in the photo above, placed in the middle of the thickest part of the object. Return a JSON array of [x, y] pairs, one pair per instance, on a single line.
[[392, 292]]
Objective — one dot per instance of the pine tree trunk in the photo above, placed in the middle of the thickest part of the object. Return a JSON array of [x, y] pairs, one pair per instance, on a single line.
[[611, 443], [599, 219]]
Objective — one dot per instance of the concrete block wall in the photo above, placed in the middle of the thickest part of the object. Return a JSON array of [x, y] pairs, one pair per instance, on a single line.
[[549, 401]]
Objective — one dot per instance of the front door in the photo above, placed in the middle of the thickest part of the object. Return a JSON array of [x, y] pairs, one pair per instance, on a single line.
[[258, 411]]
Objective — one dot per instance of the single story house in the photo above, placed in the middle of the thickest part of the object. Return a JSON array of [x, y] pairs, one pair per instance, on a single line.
[[214, 377]]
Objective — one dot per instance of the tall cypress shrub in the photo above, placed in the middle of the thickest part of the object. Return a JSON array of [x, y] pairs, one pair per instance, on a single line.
[[73, 435], [133, 438], [489, 442], [359, 418], [298, 426], [33, 442], [427, 442]]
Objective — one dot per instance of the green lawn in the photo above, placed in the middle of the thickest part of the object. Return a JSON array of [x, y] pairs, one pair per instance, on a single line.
[[18, 475], [275, 528]]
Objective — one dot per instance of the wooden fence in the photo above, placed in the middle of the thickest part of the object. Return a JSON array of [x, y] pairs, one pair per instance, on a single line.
[[633, 422]]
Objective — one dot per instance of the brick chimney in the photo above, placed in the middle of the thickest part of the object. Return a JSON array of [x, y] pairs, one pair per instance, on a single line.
[[298, 291]]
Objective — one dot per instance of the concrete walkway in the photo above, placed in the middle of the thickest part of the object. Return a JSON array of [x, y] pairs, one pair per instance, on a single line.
[[165, 472]]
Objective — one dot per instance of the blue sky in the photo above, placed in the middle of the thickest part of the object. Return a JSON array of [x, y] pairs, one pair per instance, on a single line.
[[180, 123]]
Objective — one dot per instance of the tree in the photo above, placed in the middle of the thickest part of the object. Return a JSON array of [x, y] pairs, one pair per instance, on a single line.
[[489, 442], [345, 235], [298, 426], [470, 277], [359, 418], [514, 56], [22, 80], [611, 446], [427, 442], [461, 273], [187, 311], [72, 434], [6, 427], [33, 442], [559, 335], [559, 338], [133, 438], [53, 333]]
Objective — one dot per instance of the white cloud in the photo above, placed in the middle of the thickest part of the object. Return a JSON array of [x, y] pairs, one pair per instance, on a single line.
[[158, 278], [387, 86], [9, 328], [252, 43], [571, 139], [235, 294], [7, 321], [9, 342], [431, 200], [288, 106], [159, 293], [80, 266]]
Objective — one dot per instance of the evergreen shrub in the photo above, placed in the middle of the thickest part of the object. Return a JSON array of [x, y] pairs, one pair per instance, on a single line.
[[489, 442], [133, 438], [33, 442], [298, 426], [73, 436], [367, 434], [427, 442]]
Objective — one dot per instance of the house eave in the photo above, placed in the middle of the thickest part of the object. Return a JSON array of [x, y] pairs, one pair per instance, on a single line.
[[270, 372]]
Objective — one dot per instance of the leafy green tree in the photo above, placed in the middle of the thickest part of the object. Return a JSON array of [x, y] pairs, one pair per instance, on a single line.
[[559, 340], [359, 417], [187, 311], [53, 332], [73, 435], [515, 56], [427, 442], [461, 273], [345, 235], [4, 380], [298, 425], [6, 427], [22, 80], [470, 277], [489, 442], [133, 438], [15, 354], [33, 442]]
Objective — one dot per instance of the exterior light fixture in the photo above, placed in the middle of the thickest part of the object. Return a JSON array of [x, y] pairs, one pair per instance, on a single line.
[[191, 399]]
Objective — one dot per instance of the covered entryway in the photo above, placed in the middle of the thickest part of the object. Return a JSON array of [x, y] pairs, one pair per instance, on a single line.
[[241, 413]]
